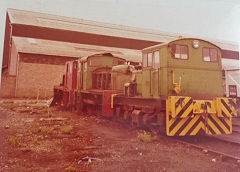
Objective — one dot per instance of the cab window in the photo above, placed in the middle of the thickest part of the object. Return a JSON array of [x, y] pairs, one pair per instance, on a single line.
[[144, 60], [95, 61], [79, 67], [147, 60], [181, 52], [156, 59], [74, 65], [149, 56], [117, 62], [210, 54], [85, 66]]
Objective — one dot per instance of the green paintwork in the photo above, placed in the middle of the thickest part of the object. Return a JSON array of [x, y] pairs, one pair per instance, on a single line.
[[139, 80], [200, 80], [106, 62]]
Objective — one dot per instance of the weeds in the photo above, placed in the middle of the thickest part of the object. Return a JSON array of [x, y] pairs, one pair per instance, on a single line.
[[80, 134], [43, 109], [12, 105], [50, 114], [47, 130], [67, 129], [35, 141], [35, 130], [146, 137], [15, 141], [70, 168]]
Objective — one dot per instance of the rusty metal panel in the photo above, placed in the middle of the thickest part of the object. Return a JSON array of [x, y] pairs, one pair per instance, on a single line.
[[107, 110], [71, 75]]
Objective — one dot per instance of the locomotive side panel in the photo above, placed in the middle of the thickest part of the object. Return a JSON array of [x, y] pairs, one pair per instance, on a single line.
[[198, 68]]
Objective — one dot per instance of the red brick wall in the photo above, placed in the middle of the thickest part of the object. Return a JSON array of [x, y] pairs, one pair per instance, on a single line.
[[12, 66], [8, 84]]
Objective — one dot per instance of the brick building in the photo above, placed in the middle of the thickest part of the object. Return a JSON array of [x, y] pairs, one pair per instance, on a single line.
[[36, 65], [37, 45]]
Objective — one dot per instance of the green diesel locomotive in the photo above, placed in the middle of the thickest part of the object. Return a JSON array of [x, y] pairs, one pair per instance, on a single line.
[[178, 90]]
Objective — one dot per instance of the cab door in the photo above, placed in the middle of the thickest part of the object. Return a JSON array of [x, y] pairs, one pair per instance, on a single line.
[[155, 73], [151, 72], [147, 74], [80, 76]]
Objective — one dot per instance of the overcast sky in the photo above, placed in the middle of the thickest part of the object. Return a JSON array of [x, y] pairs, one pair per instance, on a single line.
[[214, 19]]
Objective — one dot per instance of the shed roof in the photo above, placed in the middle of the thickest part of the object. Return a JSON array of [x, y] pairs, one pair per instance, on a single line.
[[21, 17], [57, 48], [72, 24]]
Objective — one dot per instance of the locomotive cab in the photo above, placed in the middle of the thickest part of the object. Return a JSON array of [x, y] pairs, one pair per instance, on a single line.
[[185, 67], [96, 71], [95, 83]]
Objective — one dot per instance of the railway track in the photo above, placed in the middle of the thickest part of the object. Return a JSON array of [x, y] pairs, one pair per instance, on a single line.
[[226, 147]]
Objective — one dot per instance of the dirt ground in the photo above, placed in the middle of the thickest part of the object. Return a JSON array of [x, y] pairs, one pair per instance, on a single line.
[[35, 139]]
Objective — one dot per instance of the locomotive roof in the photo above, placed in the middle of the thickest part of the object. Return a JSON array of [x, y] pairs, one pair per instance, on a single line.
[[83, 59], [167, 43]]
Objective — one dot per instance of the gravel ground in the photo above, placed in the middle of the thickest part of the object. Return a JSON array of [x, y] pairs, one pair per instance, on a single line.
[[35, 139]]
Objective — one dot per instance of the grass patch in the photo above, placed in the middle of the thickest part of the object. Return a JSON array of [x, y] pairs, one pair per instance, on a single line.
[[47, 130], [80, 134], [146, 137], [67, 129], [35, 130], [15, 141], [42, 109], [70, 168], [49, 115], [13, 105], [35, 141]]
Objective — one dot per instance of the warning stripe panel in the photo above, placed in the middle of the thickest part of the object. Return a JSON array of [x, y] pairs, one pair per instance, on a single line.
[[183, 107], [233, 106], [189, 127], [219, 125], [198, 125], [185, 126], [186, 117], [227, 107]]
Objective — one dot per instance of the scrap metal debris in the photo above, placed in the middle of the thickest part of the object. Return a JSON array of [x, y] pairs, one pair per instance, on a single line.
[[53, 119], [88, 159]]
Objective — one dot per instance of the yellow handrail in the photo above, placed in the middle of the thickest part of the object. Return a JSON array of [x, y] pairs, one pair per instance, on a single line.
[[177, 86]]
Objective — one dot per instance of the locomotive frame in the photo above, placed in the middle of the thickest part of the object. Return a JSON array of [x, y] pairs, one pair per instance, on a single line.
[[178, 91]]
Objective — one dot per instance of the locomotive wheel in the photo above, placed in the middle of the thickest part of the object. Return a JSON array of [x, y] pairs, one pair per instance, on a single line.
[[115, 114], [90, 109], [137, 118]]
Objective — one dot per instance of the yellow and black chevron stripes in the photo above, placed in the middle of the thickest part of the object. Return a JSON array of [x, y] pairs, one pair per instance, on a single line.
[[218, 125], [198, 125], [188, 126], [180, 106], [226, 107], [188, 117]]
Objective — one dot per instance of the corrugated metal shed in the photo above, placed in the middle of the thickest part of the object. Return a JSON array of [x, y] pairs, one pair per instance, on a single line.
[[21, 17], [89, 34], [66, 49]]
